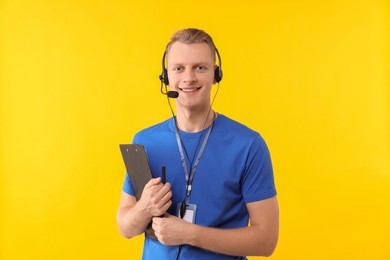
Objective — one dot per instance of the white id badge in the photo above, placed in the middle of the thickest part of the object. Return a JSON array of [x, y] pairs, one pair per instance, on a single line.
[[190, 214]]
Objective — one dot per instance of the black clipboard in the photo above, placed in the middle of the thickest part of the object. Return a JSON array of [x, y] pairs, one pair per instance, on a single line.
[[138, 169], [137, 166]]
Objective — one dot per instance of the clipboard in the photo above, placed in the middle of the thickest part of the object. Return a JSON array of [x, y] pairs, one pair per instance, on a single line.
[[137, 166], [138, 170]]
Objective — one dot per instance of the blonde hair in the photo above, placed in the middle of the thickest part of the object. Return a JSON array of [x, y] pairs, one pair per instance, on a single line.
[[190, 36]]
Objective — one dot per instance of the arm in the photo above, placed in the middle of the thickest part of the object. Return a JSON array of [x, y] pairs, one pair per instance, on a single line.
[[260, 238], [134, 216]]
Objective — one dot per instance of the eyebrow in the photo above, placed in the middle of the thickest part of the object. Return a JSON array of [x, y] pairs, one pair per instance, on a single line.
[[193, 65]]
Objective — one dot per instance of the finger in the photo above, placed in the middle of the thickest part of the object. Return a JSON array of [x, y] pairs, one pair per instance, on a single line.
[[167, 196], [155, 228], [156, 222], [164, 190], [162, 208], [167, 202], [166, 199], [153, 182], [167, 185], [167, 215], [167, 206], [151, 188]]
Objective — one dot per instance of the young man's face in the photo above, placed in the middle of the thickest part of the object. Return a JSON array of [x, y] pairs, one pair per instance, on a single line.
[[191, 73]]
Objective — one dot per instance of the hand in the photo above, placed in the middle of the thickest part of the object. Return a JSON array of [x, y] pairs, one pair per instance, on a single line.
[[155, 198], [171, 230]]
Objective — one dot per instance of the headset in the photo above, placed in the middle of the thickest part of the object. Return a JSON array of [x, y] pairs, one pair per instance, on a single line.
[[217, 72]]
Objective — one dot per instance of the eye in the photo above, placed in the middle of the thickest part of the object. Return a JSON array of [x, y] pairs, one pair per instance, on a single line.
[[201, 67], [177, 68]]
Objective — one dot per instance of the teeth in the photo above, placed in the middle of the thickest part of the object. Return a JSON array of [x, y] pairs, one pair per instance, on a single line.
[[189, 89]]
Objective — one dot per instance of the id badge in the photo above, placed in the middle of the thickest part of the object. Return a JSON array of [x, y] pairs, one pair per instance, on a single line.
[[190, 214]]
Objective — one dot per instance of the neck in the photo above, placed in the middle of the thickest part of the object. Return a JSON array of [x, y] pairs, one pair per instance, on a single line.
[[194, 121]]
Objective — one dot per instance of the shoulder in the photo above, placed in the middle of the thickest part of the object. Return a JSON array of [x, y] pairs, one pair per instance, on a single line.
[[154, 131], [232, 127], [238, 135]]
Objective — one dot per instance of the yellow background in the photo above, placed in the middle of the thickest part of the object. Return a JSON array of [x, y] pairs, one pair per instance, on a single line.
[[79, 77]]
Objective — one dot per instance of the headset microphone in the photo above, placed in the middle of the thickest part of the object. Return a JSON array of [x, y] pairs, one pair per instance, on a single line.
[[173, 94], [170, 94]]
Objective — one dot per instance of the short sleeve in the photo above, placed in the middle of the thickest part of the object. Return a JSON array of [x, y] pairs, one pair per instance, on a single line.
[[258, 182]]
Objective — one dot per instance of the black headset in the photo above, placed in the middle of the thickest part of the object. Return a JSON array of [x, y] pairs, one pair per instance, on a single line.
[[217, 72]]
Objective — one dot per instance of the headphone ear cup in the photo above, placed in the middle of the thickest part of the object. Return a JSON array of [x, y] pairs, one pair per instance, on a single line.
[[217, 74], [164, 77]]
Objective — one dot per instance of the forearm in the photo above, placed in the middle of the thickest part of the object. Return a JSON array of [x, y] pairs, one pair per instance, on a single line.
[[132, 221], [244, 241], [134, 216]]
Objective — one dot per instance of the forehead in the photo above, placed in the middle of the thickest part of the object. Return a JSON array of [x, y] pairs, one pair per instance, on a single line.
[[190, 53]]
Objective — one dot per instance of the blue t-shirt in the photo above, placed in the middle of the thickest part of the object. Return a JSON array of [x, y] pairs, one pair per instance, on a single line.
[[235, 169]]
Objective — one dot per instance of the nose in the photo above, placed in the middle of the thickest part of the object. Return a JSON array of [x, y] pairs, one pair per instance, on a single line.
[[189, 76]]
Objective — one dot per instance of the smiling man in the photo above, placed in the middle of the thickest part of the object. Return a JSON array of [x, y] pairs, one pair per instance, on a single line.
[[219, 172]]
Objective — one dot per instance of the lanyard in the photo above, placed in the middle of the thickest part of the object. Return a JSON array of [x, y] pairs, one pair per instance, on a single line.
[[190, 176]]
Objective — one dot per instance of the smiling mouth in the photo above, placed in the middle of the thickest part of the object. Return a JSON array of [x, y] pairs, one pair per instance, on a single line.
[[189, 90]]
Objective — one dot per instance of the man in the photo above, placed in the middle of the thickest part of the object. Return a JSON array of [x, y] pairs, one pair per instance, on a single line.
[[219, 171]]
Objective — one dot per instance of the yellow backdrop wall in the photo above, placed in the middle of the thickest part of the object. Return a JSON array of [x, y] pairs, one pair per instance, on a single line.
[[79, 77]]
